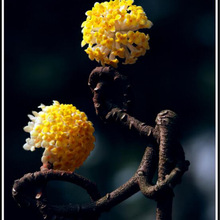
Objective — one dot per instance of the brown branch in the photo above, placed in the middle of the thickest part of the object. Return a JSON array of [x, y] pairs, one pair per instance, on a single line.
[[163, 152], [27, 191], [104, 80], [171, 165], [111, 101], [160, 188], [39, 179], [166, 121], [98, 205]]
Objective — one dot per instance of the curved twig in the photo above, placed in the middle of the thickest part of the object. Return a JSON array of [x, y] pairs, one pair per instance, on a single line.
[[102, 81], [111, 100], [143, 175], [163, 152], [171, 155], [172, 164], [155, 191], [37, 181], [97, 205]]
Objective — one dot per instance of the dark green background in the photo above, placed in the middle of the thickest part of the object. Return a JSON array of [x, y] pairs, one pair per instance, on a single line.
[[44, 61]]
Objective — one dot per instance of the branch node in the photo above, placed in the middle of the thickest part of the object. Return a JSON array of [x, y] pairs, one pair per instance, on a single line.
[[108, 195], [141, 173]]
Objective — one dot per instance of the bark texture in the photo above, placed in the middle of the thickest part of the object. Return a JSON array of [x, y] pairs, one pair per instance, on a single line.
[[164, 153]]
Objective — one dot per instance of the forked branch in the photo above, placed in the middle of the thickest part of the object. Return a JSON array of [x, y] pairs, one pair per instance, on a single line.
[[163, 152]]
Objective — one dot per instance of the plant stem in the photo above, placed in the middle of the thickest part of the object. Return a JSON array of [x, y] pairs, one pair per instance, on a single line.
[[165, 121]]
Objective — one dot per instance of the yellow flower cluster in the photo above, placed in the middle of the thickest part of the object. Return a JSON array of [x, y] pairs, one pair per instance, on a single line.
[[111, 31], [65, 134]]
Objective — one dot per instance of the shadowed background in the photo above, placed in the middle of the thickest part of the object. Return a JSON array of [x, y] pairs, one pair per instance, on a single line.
[[44, 61]]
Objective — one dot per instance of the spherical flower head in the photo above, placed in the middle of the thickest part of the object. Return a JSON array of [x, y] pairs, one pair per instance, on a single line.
[[111, 31], [64, 132]]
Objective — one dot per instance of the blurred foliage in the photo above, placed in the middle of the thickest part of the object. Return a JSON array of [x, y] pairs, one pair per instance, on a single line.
[[44, 61]]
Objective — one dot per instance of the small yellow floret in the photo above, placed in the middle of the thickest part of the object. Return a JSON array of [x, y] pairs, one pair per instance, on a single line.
[[64, 132], [112, 28]]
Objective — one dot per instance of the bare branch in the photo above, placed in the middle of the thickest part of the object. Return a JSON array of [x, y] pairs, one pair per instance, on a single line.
[[39, 179], [111, 101]]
